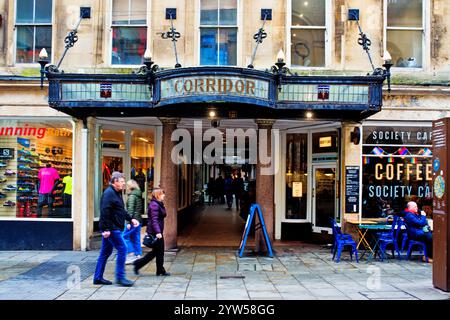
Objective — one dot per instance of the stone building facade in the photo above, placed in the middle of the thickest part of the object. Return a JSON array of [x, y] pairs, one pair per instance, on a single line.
[[318, 39]]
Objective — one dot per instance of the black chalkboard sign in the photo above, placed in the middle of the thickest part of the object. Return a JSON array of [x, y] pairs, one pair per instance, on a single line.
[[351, 189]]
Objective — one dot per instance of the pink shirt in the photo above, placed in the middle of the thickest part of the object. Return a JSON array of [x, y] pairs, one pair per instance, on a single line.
[[47, 177]]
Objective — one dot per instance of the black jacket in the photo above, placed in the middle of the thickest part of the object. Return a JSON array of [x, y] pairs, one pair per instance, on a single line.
[[112, 211]]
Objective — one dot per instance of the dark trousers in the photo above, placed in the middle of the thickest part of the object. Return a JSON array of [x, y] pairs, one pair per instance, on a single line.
[[238, 200], [229, 197], [44, 199], [427, 238], [158, 252]]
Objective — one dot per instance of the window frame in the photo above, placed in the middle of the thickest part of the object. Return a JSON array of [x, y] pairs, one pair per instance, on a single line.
[[112, 26], [217, 27], [426, 27], [328, 29], [34, 25]]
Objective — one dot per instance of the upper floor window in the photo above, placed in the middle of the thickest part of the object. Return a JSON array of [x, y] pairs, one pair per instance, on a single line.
[[309, 33], [405, 32], [218, 32], [33, 29], [129, 31]]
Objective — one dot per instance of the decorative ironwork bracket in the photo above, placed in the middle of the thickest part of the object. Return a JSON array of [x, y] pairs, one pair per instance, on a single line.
[[172, 33], [72, 37], [261, 34]]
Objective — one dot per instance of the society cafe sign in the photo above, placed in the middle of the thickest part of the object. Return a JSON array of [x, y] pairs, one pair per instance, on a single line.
[[214, 85]]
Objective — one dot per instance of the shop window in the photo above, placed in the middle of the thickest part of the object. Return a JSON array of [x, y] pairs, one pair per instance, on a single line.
[[309, 33], [143, 160], [35, 169], [33, 29], [296, 175], [397, 168], [405, 32], [129, 31], [218, 32]]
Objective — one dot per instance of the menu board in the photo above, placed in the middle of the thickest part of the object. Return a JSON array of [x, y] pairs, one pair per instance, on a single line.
[[351, 189]]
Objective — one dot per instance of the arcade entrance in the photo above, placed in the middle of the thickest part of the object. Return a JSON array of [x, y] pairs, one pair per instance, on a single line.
[[227, 190]]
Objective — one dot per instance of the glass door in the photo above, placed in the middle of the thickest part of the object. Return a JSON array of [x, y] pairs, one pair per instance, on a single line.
[[324, 197], [111, 162]]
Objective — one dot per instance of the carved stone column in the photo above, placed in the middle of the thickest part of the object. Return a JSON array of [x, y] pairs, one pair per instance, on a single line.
[[169, 182], [265, 186]]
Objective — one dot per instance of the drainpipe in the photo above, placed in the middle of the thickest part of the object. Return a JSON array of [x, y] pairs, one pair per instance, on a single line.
[[84, 184]]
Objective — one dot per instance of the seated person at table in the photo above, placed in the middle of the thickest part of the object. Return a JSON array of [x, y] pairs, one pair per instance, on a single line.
[[418, 228]]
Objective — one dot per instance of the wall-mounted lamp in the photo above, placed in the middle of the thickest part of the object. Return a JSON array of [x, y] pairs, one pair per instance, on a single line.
[[149, 68], [280, 68], [387, 68], [43, 61]]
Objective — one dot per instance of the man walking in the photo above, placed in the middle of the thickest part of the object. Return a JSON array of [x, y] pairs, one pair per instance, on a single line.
[[112, 222]]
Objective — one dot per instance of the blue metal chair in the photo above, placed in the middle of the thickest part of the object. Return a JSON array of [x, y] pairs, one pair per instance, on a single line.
[[391, 238], [411, 243], [342, 240], [422, 247], [337, 230]]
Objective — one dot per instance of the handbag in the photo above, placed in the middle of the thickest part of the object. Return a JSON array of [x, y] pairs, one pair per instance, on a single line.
[[149, 240]]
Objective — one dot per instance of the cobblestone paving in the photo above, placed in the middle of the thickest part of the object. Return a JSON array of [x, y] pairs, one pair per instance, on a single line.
[[300, 273]]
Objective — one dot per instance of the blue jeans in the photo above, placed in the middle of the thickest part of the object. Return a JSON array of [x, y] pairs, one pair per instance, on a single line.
[[132, 238], [115, 240]]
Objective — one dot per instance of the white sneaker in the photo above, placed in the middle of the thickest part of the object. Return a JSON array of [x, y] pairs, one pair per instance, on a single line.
[[130, 260]]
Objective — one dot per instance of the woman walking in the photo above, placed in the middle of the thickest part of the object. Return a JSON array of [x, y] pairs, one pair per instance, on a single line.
[[155, 227], [132, 235]]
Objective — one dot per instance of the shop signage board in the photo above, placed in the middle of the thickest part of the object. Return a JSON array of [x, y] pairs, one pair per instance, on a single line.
[[214, 85], [441, 223], [352, 189], [6, 153]]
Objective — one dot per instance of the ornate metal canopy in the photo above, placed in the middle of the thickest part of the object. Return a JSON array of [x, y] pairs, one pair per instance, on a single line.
[[192, 92]]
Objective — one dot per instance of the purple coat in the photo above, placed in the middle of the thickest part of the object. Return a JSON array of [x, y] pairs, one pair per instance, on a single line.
[[156, 216]]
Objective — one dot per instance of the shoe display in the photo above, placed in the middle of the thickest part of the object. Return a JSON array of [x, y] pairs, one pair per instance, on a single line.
[[9, 203], [125, 282], [24, 152], [2, 165], [24, 167], [22, 159], [9, 188], [2, 195], [2, 180], [9, 172], [102, 281]]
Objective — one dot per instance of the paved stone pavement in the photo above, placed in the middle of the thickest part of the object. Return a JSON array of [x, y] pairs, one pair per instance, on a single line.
[[300, 273]]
